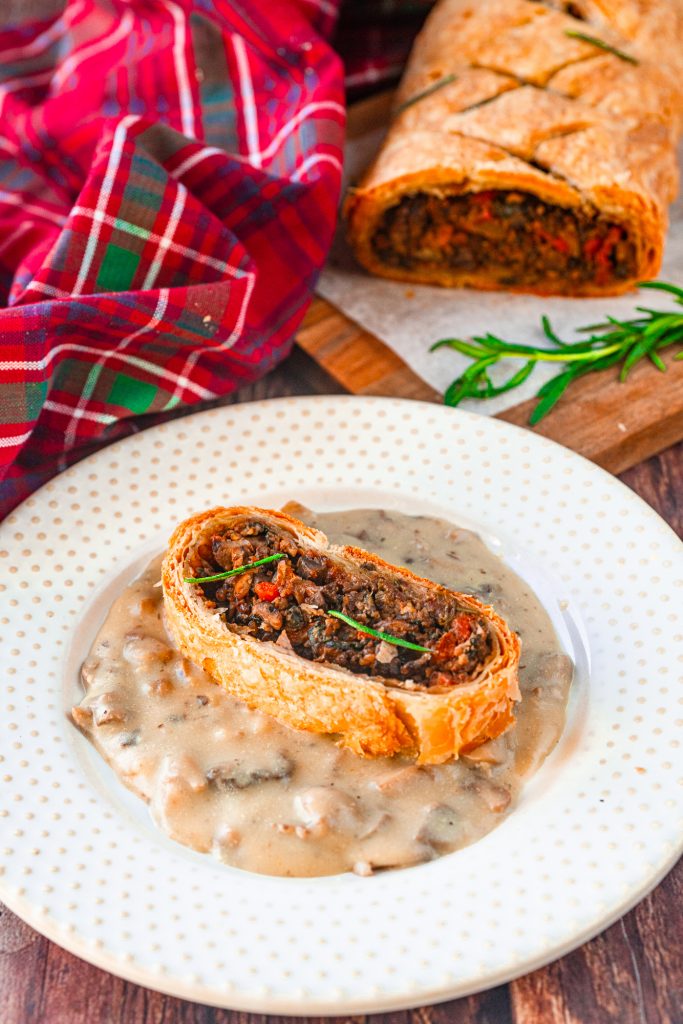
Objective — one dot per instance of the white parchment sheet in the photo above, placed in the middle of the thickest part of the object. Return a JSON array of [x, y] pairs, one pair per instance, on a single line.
[[409, 318]]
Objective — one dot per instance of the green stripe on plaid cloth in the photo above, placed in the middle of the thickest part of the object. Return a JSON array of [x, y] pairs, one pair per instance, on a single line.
[[117, 269], [131, 393]]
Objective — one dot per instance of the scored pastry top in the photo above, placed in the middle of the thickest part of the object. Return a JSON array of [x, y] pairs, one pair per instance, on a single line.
[[578, 104]]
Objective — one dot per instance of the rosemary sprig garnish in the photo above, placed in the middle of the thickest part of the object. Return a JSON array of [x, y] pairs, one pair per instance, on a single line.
[[601, 45], [235, 572], [446, 80], [395, 640], [608, 344]]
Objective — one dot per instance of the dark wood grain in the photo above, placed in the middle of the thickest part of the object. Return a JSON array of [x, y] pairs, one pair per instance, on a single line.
[[631, 974]]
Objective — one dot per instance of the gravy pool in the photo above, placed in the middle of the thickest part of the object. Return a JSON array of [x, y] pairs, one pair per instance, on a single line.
[[258, 795]]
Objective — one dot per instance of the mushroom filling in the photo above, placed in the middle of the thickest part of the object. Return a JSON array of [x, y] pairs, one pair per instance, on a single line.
[[514, 236], [288, 602]]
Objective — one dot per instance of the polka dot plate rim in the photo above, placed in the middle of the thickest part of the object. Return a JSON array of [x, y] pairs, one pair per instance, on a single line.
[[595, 829]]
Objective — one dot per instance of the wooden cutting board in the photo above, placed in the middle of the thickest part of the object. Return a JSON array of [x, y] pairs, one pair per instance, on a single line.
[[616, 425]]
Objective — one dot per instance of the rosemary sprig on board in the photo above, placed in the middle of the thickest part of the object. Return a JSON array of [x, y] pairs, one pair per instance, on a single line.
[[446, 80], [397, 641], [614, 342], [601, 45], [234, 572]]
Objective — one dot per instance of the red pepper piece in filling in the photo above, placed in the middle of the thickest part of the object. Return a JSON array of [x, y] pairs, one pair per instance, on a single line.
[[460, 631], [554, 241], [462, 627], [591, 246], [441, 236], [266, 591], [482, 201], [600, 248]]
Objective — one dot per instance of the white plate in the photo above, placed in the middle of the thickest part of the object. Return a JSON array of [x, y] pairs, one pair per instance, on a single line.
[[595, 829]]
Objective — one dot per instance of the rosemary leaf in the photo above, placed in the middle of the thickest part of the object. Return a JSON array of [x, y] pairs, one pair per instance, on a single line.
[[615, 341], [550, 333], [467, 348], [550, 394], [395, 640], [639, 350], [516, 379], [234, 572], [601, 45], [664, 286], [446, 80]]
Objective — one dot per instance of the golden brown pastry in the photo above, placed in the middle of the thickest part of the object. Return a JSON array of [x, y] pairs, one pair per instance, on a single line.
[[269, 636], [525, 158]]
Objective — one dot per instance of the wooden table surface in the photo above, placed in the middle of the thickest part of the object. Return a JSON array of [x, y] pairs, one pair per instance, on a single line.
[[631, 974]]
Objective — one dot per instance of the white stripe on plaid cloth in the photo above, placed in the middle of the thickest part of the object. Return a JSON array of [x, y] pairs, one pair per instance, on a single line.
[[10, 147], [40, 211], [142, 364], [271, 148], [289, 126], [133, 229], [197, 158], [107, 42], [48, 289], [11, 442], [67, 410], [248, 104], [312, 160], [55, 31], [79, 412], [103, 200], [166, 241], [180, 63]]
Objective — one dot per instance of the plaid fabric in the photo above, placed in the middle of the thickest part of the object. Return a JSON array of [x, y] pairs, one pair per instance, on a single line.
[[169, 178]]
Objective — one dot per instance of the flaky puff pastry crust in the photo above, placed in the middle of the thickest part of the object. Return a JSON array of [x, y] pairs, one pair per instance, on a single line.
[[532, 108], [367, 714]]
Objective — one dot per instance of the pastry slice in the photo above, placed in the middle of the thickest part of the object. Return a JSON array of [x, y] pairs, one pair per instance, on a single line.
[[335, 640]]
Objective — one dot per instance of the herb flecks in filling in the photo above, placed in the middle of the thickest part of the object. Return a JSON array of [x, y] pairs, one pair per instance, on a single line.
[[515, 236], [288, 602]]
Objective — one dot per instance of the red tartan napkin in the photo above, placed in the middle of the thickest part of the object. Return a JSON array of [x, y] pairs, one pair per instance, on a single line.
[[169, 180]]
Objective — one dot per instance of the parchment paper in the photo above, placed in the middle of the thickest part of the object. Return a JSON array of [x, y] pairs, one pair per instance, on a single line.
[[409, 318]]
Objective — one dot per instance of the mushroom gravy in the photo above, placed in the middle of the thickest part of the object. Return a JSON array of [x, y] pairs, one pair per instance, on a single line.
[[226, 780]]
